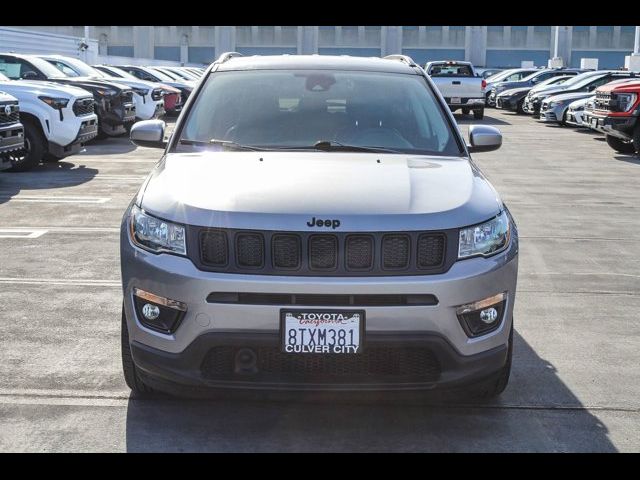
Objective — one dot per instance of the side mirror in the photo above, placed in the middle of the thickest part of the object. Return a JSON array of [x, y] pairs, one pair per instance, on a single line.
[[148, 133], [483, 138], [29, 75]]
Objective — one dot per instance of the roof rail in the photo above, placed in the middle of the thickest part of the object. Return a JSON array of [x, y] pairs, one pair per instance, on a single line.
[[402, 58], [227, 56]]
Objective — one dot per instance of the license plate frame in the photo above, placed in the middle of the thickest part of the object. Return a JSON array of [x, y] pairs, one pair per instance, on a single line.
[[315, 326]]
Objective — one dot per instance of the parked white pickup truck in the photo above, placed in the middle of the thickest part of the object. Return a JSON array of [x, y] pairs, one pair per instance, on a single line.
[[459, 85]]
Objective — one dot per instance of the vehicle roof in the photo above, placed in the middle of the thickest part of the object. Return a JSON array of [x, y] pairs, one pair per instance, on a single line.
[[321, 62]]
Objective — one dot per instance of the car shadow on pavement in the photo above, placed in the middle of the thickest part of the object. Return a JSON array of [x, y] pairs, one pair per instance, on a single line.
[[109, 146], [487, 120], [635, 159], [537, 412], [60, 174]]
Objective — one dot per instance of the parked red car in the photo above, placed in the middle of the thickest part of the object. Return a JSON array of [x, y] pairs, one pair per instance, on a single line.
[[172, 99]]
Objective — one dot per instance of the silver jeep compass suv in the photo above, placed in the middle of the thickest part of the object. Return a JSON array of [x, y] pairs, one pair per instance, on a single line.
[[317, 223]]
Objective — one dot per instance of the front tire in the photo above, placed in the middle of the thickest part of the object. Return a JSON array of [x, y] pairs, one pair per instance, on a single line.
[[478, 114], [636, 138], [131, 376], [620, 146], [35, 146]]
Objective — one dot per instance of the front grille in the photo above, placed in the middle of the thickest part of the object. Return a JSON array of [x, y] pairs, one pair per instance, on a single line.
[[156, 94], [83, 106], [249, 250], [322, 254], [286, 251], [127, 96], [390, 363], [603, 101], [9, 115]]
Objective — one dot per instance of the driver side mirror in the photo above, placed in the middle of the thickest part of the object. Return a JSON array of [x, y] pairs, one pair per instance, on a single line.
[[29, 75], [148, 133], [483, 138]]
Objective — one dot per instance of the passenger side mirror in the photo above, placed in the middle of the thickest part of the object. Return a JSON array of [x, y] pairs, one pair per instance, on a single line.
[[483, 138], [29, 75], [148, 133]]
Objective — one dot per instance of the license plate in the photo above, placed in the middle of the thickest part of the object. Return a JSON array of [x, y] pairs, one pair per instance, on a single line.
[[322, 331], [456, 100]]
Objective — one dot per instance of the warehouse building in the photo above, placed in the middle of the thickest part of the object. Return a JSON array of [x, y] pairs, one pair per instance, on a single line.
[[491, 46]]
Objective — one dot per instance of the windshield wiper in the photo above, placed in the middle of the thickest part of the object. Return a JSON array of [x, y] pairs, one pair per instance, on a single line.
[[328, 146], [221, 143]]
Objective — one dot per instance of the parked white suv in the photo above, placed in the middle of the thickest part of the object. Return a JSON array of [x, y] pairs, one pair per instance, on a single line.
[[147, 96], [57, 119]]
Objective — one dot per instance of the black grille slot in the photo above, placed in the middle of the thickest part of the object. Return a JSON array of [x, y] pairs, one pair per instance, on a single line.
[[417, 363], [359, 252], [323, 252], [83, 106], [395, 251], [250, 250], [312, 299], [10, 115], [286, 251], [430, 250], [214, 249]]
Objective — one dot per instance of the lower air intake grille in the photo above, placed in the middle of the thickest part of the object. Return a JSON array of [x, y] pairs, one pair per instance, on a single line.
[[359, 252], [373, 362]]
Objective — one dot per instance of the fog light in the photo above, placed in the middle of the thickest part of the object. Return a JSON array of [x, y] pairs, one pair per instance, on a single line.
[[484, 316], [158, 313], [489, 315], [150, 312]]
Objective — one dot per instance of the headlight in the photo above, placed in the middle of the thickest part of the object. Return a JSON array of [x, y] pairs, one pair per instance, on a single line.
[[141, 91], [105, 92], [156, 235], [54, 102], [626, 101], [485, 239]]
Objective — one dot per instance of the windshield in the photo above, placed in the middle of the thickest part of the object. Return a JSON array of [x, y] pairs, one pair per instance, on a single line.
[[170, 75], [81, 68], [580, 79], [117, 72], [500, 75], [159, 75], [276, 109], [46, 68]]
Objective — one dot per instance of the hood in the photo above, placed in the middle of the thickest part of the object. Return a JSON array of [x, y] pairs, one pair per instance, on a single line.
[[91, 83], [35, 87], [550, 90], [5, 97], [283, 190], [512, 91], [569, 96], [581, 102], [631, 86]]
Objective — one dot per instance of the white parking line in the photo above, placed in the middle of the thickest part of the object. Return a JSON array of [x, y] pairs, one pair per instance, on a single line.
[[59, 282], [54, 199], [22, 232]]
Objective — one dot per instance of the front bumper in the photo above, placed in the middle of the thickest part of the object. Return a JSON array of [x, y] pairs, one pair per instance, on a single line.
[[554, 114], [616, 126], [177, 359], [575, 118], [88, 130], [11, 137], [510, 103], [470, 103]]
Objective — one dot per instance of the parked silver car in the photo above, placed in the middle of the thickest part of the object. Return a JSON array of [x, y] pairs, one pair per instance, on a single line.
[[317, 223]]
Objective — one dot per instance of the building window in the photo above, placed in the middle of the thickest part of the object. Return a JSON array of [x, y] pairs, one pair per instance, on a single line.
[[456, 35], [350, 36], [434, 36], [326, 36], [518, 36], [580, 36], [372, 35], [410, 36], [604, 37], [495, 36], [289, 35]]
